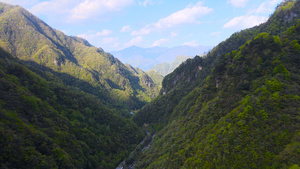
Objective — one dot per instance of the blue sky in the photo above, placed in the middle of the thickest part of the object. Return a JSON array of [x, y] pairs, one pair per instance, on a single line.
[[117, 24]]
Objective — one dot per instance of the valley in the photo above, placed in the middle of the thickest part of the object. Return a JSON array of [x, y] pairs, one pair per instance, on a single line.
[[65, 103]]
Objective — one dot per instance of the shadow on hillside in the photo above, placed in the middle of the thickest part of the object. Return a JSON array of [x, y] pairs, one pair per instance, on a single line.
[[69, 80], [96, 89]]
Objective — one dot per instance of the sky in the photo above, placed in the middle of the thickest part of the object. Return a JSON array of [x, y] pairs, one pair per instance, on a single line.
[[116, 24]]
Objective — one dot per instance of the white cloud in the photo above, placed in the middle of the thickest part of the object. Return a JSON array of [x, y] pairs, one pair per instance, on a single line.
[[126, 28], [144, 31], [160, 41], [267, 6], [107, 43], [246, 21], [191, 43], [55, 7], [93, 8], [238, 3], [214, 33], [90, 35], [9, 1], [23, 3], [78, 10], [188, 15], [174, 33], [135, 41], [86, 36], [104, 32], [253, 17], [146, 2], [110, 40], [101, 39]]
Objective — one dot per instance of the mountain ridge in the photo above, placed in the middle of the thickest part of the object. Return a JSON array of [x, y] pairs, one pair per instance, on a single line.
[[45, 123], [63, 102], [166, 68], [148, 57], [236, 107], [175, 83], [29, 38]]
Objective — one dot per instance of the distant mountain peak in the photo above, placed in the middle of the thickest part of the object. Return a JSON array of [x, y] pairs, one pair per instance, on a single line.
[[145, 58], [166, 68]]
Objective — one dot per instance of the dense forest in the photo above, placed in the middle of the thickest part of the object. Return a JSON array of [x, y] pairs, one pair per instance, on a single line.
[[46, 124], [66, 104], [63, 102], [237, 107], [76, 62]]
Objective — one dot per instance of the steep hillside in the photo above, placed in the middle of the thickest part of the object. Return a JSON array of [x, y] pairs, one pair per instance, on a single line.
[[47, 124], [146, 80], [193, 72], [166, 68], [75, 60], [155, 76], [238, 107]]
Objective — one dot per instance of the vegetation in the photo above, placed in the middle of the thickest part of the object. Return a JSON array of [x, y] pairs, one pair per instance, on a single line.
[[45, 124], [166, 68], [238, 107], [61, 98], [74, 60], [156, 77], [194, 72]]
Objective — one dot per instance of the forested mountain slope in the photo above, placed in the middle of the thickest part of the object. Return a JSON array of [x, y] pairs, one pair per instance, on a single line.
[[61, 98], [46, 124], [155, 76], [74, 59], [238, 107], [193, 73], [166, 68]]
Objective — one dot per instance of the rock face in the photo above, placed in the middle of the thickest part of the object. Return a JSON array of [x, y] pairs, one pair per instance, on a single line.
[[290, 17]]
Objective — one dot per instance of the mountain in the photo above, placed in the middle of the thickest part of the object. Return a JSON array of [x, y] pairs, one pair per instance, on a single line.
[[61, 99], [237, 107], [65, 103], [145, 58], [155, 76], [170, 55], [166, 68], [74, 60], [47, 124]]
